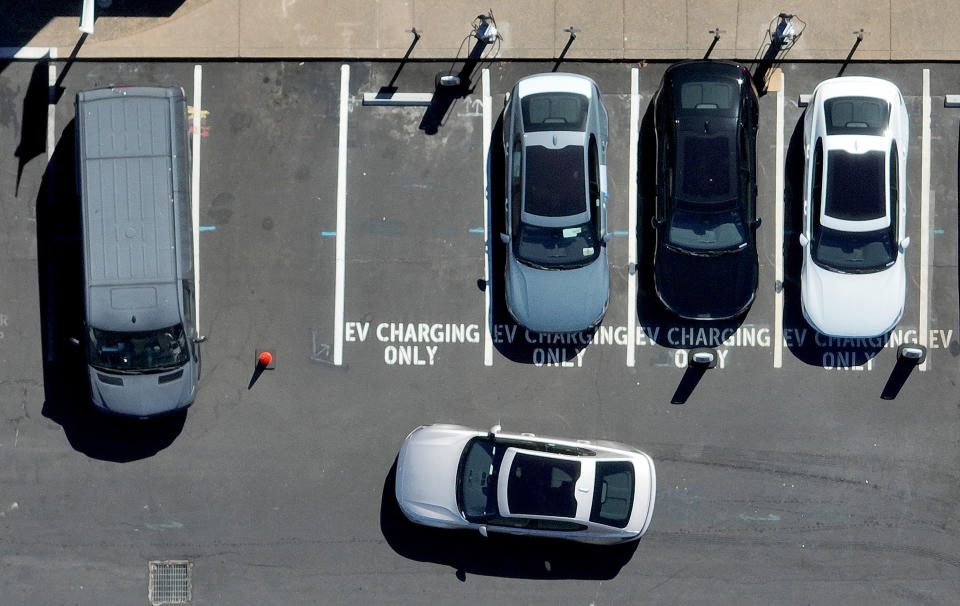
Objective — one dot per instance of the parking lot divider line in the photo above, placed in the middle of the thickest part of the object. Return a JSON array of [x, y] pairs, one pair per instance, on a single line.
[[51, 145], [195, 190], [487, 201], [341, 216], [925, 215], [778, 244], [632, 151]]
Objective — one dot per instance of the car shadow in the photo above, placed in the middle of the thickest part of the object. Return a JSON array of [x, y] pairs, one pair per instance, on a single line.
[[658, 323], [467, 552], [60, 271], [803, 341], [511, 340]]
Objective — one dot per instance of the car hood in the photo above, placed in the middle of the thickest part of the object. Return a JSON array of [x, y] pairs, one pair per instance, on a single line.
[[561, 300], [706, 287], [853, 305], [142, 395], [427, 474]]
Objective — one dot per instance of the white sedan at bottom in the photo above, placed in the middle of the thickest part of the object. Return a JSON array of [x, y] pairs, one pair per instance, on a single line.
[[450, 476]]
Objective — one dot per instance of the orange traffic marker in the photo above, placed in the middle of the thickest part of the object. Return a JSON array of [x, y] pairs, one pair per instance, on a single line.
[[265, 359]]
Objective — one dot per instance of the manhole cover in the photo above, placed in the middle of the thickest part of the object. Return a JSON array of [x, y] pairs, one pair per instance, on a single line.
[[170, 582]]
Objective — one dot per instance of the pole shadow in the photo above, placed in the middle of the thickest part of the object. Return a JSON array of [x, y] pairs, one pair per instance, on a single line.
[[469, 553], [33, 126], [444, 97], [65, 382], [901, 372], [691, 378]]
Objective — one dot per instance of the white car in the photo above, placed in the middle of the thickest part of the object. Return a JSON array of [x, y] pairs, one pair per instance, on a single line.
[[450, 476], [855, 137]]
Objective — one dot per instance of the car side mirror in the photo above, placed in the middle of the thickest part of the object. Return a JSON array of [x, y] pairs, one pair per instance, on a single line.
[[904, 243], [74, 341], [199, 340], [505, 238], [804, 240], [756, 223], [483, 531], [494, 430], [606, 237], [656, 222]]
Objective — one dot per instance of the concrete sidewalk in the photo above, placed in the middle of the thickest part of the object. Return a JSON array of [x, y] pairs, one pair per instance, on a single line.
[[534, 29]]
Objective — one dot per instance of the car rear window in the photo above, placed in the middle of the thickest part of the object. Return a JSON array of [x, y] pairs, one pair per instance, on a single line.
[[555, 182], [856, 115], [613, 493], [554, 111], [855, 185], [705, 169], [542, 486], [718, 94]]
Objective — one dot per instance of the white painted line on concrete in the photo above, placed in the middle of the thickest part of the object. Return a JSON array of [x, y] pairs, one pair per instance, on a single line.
[[632, 217], [51, 110], [923, 328], [778, 239], [28, 52], [195, 190], [951, 101], [424, 99], [487, 307], [341, 216]]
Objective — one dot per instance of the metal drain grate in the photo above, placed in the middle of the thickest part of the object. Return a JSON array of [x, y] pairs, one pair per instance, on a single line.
[[170, 582]]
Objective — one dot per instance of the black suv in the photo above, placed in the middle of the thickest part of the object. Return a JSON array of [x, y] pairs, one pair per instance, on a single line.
[[705, 260]]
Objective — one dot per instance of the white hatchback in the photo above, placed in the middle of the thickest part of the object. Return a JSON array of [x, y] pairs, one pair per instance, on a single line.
[[450, 476], [855, 138]]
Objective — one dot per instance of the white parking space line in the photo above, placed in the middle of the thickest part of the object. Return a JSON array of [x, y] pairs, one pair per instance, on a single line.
[[487, 119], [195, 192], [925, 215], [51, 104], [28, 52], [778, 244], [632, 217], [341, 216]]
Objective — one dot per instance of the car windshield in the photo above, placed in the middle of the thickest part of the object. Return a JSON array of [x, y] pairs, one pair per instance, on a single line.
[[138, 352], [555, 183], [542, 486], [854, 252], [556, 247], [855, 185], [554, 111], [705, 231], [856, 115], [613, 493], [477, 479]]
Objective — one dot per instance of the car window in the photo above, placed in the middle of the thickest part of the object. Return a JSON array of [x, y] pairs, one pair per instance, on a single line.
[[855, 252], [719, 96], [539, 485], [516, 183], [554, 111], [593, 167], [817, 190], [613, 493], [477, 479], [855, 185], [856, 115], [894, 192], [556, 247], [698, 230], [555, 183]]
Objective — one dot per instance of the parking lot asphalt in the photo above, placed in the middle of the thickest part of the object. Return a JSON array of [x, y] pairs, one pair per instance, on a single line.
[[789, 483]]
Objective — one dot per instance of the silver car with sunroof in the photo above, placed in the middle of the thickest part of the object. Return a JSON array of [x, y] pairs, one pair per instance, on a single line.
[[555, 139]]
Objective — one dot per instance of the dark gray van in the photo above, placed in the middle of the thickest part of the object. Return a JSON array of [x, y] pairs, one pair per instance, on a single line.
[[133, 178]]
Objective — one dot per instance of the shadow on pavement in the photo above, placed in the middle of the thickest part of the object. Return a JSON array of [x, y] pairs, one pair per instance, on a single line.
[[467, 552], [60, 270], [22, 21]]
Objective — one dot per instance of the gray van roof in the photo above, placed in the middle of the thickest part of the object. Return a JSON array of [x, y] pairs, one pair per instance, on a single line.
[[125, 148]]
